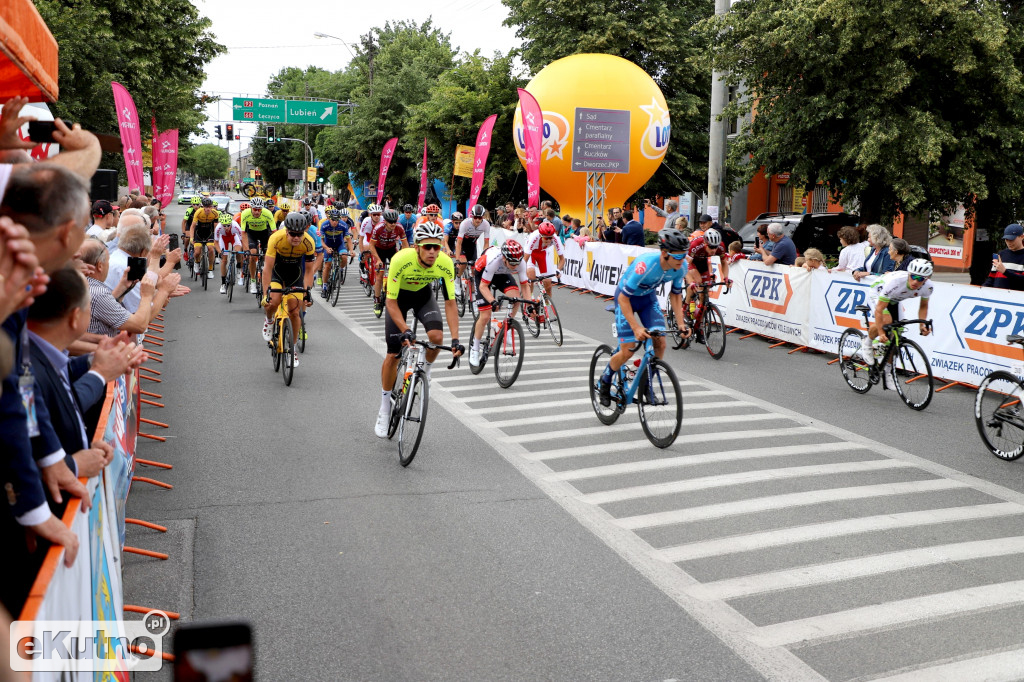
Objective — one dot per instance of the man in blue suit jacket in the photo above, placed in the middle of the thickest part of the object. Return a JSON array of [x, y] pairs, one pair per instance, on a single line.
[[632, 231]]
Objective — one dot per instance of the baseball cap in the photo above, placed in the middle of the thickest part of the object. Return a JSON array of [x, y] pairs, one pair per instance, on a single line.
[[1013, 231], [102, 207], [705, 218]]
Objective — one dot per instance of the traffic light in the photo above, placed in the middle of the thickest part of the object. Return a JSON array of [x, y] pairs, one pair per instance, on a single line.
[[271, 137], [229, 129], [216, 132]]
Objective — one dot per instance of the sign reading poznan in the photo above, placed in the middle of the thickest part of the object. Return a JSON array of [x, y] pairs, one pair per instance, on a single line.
[[284, 111], [600, 141]]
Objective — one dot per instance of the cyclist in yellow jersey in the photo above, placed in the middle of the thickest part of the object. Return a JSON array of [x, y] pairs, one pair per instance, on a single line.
[[290, 262], [257, 223], [409, 277], [204, 221]]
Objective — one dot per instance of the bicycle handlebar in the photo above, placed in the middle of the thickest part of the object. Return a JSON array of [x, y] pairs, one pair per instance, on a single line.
[[652, 333], [904, 323], [539, 278], [705, 287]]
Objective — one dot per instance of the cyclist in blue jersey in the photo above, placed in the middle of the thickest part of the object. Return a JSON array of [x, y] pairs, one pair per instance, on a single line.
[[408, 222], [314, 233], [636, 301], [337, 241]]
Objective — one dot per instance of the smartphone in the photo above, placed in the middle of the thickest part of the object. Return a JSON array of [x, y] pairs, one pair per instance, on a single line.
[[171, 246], [41, 131], [136, 268], [213, 651]]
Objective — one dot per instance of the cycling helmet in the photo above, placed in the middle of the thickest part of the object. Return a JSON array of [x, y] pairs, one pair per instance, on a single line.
[[428, 230], [713, 238], [512, 251], [546, 229], [308, 216], [295, 222], [207, 202], [423, 211], [258, 203], [244, 205], [307, 201], [408, 209], [433, 208], [672, 239], [457, 217], [225, 218], [271, 207], [391, 216], [334, 214], [477, 211], [375, 208], [197, 200], [921, 267]]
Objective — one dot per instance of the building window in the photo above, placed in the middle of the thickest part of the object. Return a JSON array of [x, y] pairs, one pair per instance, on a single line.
[[785, 198], [819, 201]]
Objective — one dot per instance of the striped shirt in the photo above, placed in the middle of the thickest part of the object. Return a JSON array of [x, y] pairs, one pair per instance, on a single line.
[[108, 316]]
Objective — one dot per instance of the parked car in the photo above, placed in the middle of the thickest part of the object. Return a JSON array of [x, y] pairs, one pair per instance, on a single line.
[[185, 197], [807, 230], [221, 202]]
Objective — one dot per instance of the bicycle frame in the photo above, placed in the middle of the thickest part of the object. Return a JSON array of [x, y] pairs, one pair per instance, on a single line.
[[645, 360]]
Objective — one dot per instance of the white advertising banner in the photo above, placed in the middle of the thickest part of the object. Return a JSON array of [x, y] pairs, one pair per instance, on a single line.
[[768, 299]]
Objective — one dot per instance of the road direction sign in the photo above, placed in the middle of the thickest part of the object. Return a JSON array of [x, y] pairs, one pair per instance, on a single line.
[[294, 173], [600, 141], [312, 113], [284, 111]]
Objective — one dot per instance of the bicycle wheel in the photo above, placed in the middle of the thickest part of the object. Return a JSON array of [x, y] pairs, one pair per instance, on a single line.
[[301, 341], [414, 418], [398, 396], [598, 362], [714, 331], [204, 267], [275, 353], [553, 321], [532, 322], [912, 374], [485, 351], [337, 277], [288, 351], [855, 370], [231, 280], [460, 297], [508, 353], [366, 280], [673, 327], [999, 415], [660, 404]]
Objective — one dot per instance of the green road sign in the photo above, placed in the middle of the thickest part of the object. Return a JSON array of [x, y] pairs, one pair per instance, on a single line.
[[258, 110], [313, 113]]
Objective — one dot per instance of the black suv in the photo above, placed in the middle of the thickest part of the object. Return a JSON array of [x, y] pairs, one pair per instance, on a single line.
[[807, 230]]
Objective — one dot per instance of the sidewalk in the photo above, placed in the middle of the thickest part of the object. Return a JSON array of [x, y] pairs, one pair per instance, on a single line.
[[954, 277]]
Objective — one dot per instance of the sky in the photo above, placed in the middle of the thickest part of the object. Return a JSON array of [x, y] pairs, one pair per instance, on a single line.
[[261, 41]]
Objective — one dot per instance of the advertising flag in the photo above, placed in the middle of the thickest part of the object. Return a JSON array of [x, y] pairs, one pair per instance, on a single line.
[[131, 136], [165, 157], [423, 180], [483, 146], [386, 155], [533, 123]]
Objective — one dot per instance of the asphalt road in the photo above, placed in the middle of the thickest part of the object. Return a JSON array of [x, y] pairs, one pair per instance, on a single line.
[[795, 530]]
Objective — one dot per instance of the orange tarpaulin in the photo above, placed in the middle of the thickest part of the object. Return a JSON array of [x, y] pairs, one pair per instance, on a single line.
[[28, 53]]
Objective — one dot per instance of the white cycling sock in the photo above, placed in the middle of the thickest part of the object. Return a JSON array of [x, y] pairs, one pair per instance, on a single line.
[[385, 401], [476, 344], [428, 365]]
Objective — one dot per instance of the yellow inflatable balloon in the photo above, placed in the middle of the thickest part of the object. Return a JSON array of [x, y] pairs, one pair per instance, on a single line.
[[601, 113]]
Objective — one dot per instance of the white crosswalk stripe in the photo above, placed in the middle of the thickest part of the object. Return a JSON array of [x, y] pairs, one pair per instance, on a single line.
[[756, 510]]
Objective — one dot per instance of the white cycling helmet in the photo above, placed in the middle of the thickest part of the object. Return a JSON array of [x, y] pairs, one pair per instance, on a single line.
[[375, 208], [428, 230], [713, 238], [921, 267], [257, 203]]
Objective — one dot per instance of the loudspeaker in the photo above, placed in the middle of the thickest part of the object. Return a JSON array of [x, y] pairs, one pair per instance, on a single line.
[[104, 186]]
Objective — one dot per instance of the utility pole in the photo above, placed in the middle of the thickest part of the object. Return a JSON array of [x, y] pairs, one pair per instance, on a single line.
[[716, 149], [305, 84]]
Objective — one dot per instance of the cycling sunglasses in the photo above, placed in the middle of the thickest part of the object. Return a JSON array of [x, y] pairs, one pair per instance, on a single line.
[[918, 278], [431, 247], [677, 256]]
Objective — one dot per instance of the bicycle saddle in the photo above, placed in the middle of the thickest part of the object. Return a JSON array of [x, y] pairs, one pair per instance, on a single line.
[[862, 308]]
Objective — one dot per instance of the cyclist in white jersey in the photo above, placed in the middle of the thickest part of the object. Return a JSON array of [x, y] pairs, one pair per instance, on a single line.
[[886, 295], [472, 238], [366, 228]]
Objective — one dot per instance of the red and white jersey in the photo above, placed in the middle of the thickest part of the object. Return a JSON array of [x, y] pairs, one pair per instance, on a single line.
[[384, 238], [226, 235], [534, 244], [697, 251], [367, 227], [491, 264]]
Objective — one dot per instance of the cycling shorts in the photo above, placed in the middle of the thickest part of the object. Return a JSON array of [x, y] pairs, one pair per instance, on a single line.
[[261, 237], [202, 233], [424, 307], [543, 261], [290, 277], [893, 308], [469, 249], [229, 242], [329, 257], [503, 283], [386, 255], [647, 310], [336, 246]]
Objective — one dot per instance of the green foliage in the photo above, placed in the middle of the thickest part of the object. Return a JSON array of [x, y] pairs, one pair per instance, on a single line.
[[275, 158], [657, 37], [207, 161], [158, 54], [907, 105]]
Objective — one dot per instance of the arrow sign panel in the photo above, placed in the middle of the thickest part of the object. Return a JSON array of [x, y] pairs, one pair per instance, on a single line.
[[601, 141]]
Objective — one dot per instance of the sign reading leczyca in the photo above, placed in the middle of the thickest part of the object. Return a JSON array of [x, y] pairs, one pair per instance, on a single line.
[[284, 111]]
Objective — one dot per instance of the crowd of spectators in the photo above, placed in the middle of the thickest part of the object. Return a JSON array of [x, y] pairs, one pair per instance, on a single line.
[[70, 311]]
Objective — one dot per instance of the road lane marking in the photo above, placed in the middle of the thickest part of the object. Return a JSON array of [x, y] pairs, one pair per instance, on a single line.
[[1004, 666]]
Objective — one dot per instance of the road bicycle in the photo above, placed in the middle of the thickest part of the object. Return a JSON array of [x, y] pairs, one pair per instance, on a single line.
[[997, 410], [232, 269], [650, 383], [504, 339], [336, 279], [464, 298], [706, 322], [282, 341], [247, 279], [203, 267], [903, 359], [410, 395], [366, 273], [251, 190], [542, 314]]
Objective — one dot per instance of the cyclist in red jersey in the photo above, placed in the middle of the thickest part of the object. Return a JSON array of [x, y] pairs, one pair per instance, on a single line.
[[385, 239], [699, 271]]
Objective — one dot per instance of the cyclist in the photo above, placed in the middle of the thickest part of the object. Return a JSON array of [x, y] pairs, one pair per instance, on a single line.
[[385, 240], [886, 294], [227, 237], [315, 234], [337, 243], [366, 227], [495, 268], [257, 223], [467, 237], [545, 249], [699, 272], [408, 222], [412, 271], [279, 215], [203, 222], [637, 311], [186, 222], [289, 262], [238, 216]]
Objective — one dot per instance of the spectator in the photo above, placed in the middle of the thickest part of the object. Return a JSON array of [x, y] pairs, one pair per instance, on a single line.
[[682, 224], [899, 252], [705, 223], [852, 254], [1008, 265], [736, 252], [877, 261], [615, 218], [633, 231], [761, 241], [783, 251], [613, 232], [577, 226], [670, 214], [599, 228], [104, 218], [814, 260], [552, 217], [135, 241], [153, 213], [799, 262]]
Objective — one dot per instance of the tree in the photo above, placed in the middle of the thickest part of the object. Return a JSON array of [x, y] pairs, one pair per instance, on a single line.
[[274, 158], [208, 161], [906, 105], [657, 37]]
